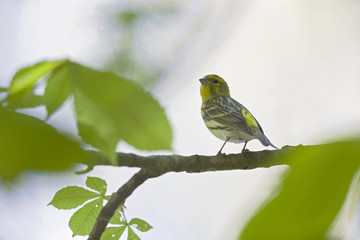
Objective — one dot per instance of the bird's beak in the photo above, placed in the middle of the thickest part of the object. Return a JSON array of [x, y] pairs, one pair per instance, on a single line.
[[203, 81]]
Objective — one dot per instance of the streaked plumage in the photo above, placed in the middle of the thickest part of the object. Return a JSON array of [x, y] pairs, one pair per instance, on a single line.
[[226, 118]]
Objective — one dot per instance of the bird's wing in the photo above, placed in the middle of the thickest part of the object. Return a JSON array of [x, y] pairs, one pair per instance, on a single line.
[[231, 113]]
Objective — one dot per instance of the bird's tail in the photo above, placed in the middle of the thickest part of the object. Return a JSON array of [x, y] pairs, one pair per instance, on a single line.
[[265, 141]]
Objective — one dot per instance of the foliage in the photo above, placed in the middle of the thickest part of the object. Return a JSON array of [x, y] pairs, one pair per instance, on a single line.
[[108, 109], [84, 218], [311, 194], [28, 143]]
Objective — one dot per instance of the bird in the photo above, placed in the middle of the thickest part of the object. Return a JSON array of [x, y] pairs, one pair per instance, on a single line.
[[225, 117]]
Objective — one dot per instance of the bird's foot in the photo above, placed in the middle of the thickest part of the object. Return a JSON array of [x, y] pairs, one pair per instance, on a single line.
[[245, 150], [221, 154]]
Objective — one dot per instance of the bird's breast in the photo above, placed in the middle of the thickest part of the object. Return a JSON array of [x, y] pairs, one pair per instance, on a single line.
[[224, 132]]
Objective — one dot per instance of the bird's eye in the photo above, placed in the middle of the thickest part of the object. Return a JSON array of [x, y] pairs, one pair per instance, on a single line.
[[216, 81]]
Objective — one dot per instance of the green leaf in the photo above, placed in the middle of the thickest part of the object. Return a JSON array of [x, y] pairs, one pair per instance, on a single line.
[[113, 233], [83, 219], [21, 91], [117, 219], [141, 225], [109, 108], [27, 143], [132, 235], [23, 99], [311, 194], [58, 89], [3, 89], [102, 137], [97, 184], [26, 77], [72, 197]]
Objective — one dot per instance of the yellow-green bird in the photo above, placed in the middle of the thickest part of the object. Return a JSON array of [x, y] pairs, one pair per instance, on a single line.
[[226, 118]]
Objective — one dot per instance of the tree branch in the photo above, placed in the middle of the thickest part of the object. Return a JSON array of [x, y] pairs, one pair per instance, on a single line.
[[194, 163], [117, 200], [157, 165]]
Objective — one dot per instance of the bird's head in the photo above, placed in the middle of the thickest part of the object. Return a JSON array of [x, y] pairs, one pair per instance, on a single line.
[[212, 85]]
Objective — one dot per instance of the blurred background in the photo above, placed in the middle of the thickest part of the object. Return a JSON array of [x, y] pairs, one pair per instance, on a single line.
[[294, 64]]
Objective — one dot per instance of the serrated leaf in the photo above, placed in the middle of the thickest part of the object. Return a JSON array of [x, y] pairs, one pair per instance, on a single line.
[[140, 224], [311, 195], [132, 235], [72, 197], [102, 137], [83, 219], [28, 143], [117, 218], [58, 89], [113, 233], [97, 184], [109, 108]]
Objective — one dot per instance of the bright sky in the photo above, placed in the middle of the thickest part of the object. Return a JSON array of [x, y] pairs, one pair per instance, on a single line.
[[294, 64]]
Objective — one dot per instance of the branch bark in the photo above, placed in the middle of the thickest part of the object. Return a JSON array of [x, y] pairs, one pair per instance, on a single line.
[[157, 165], [194, 163]]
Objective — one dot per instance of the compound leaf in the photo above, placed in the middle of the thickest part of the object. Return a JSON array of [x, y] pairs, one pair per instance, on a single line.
[[82, 221], [97, 184], [132, 235], [113, 233], [117, 219], [72, 197], [140, 224]]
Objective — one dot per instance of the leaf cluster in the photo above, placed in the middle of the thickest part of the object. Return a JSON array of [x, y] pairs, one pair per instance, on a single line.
[[83, 219], [108, 109]]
